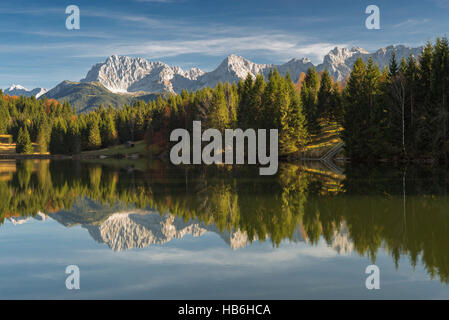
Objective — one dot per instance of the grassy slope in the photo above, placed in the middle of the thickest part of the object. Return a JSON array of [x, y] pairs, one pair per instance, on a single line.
[[121, 149], [7, 148], [86, 96], [315, 149], [320, 144]]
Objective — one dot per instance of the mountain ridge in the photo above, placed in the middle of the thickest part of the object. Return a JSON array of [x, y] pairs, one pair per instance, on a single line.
[[121, 80], [18, 90], [127, 75]]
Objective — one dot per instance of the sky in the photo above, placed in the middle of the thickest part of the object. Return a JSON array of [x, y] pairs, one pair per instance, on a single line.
[[37, 50]]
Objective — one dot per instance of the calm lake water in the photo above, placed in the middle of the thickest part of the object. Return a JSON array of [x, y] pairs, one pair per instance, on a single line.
[[145, 230]]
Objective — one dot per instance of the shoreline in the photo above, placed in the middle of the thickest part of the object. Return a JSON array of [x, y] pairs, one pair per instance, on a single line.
[[139, 156]]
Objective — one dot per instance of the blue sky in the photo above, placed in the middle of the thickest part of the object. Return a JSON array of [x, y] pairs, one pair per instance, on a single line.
[[38, 50]]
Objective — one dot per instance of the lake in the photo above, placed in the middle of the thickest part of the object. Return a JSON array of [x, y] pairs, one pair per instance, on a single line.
[[146, 230]]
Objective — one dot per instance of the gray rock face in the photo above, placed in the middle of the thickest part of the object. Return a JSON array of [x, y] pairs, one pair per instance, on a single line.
[[132, 230], [141, 228], [126, 75], [126, 230], [339, 61]]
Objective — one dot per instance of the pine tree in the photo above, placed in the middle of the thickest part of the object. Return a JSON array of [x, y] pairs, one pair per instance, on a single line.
[[244, 114], [4, 117], [271, 108], [393, 64], [108, 132], [337, 104], [297, 124], [24, 144], [374, 115], [324, 107], [218, 115], [440, 78], [58, 137], [256, 102], [355, 117], [94, 139], [74, 137], [411, 76], [309, 97], [43, 136]]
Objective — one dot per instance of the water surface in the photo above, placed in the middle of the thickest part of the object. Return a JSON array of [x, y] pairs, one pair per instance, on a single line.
[[143, 230]]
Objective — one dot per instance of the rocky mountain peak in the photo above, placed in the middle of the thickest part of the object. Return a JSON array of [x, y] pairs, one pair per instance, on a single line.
[[18, 90], [127, 74]]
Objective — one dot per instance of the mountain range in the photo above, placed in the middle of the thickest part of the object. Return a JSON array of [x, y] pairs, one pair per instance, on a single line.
[[18, 90], [123, 79], [123, 227]]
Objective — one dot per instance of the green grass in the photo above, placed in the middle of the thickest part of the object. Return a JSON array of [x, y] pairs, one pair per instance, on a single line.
[[5, 138], [119, 150], [321, 143], [7, 148]]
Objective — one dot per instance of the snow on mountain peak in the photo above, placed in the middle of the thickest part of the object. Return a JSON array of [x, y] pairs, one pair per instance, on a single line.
[[127, 74], [16, 87], [339, 61], [18, 90]]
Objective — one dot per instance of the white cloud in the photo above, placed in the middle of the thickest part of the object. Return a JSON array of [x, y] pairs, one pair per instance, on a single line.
[[276, 46], [411, 23], [441, 3]]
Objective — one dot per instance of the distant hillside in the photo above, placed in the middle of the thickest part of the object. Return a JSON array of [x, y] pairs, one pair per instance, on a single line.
[[85, 96]]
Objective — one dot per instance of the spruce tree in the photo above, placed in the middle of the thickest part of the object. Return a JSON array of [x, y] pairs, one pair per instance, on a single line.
[[309, 96], [108, 131], [393, 64], [256, 102], [4, 117], [74, 137], [244, 113], [355, 116], [94, 139], [43, 136], [218, 115], [324, 107], [58, 137], [24, 144]]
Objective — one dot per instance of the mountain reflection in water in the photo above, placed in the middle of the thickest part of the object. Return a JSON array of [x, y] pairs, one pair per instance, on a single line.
[[125, 205]]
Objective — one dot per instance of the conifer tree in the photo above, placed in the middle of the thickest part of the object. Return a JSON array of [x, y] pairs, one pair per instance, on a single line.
[[74, 137], [393, 64], [58, 137], [244, 113], [94, 139], [108, 132], [43, 136], [324, 107], [24, 144], [4, 117], [218, 115], [354, 115], [309, 96]]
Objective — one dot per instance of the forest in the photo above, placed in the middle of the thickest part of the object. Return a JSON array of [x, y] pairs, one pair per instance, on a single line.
[[398, 113]]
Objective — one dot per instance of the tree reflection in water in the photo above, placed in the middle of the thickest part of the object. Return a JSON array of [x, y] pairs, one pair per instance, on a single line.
[[403, 210]]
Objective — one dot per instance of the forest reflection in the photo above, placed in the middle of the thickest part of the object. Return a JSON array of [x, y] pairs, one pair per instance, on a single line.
[[403, 210]]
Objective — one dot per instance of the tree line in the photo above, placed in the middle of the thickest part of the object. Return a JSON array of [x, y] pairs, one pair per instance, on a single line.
[[252, 103], [402, 209], [401, 112]]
